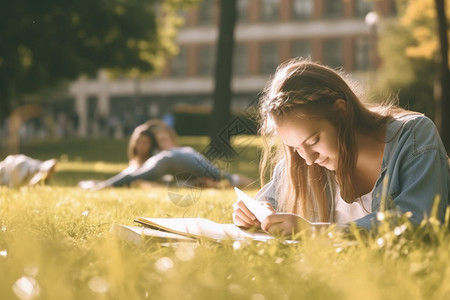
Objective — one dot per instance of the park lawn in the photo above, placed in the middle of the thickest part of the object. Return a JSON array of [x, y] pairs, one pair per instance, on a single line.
[[55, 244], [81, 159]]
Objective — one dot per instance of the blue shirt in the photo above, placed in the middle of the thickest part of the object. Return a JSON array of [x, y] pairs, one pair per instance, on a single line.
[[415, 167], [177, 161]]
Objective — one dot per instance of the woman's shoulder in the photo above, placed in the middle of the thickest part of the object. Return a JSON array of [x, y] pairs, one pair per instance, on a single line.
[[414, 122], [419, 130], [412, 118]]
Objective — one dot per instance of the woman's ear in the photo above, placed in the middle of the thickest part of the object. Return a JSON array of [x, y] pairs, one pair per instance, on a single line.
[[340, 106]]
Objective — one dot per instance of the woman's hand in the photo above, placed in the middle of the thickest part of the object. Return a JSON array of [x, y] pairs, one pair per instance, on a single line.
[[243, 217], [284, 224]]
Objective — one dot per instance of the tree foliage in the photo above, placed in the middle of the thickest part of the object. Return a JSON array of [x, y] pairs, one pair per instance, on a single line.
[[403, 75], [407, 49], [420, 17], [44, 42]]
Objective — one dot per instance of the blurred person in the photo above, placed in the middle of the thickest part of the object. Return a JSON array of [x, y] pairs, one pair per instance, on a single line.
[[340, 160], [155, 159], [19, 170], [165, 135]]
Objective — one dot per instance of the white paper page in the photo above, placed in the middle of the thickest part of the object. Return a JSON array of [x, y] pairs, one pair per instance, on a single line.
[[257, 208], [198, 227]]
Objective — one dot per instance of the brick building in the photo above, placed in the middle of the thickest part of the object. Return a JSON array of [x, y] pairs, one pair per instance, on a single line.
[[268, 32]]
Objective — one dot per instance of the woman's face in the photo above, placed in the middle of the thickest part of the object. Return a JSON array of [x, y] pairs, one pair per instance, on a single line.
[[314, 139], [164, 139], [143, 146]]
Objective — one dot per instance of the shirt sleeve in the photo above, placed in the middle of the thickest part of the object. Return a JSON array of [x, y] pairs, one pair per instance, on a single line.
[[268, 192], [419, 174]]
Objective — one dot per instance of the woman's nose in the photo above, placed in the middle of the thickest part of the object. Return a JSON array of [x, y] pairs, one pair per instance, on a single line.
[[308, 155]]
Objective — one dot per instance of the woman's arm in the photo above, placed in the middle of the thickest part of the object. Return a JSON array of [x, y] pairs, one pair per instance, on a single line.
[[177, 161]]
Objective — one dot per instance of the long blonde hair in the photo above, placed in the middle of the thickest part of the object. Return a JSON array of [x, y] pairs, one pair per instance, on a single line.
[[311, 89]]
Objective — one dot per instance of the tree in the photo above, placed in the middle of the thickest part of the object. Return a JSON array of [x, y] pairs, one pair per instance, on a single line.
[[223, 72], [443, 93], [45, 42]]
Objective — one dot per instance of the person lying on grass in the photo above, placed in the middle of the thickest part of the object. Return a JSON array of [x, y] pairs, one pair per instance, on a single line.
[[154, 159], [337, 153], [17, 170]]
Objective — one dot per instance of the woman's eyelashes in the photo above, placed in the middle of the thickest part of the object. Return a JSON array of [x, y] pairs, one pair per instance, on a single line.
[[315, 141]]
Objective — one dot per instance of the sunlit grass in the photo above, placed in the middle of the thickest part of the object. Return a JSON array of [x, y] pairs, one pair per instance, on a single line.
[[55, 244], [91, 167]]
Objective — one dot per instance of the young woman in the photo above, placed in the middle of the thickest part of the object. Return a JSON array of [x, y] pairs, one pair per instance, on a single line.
[[155, 158], [341, 160]]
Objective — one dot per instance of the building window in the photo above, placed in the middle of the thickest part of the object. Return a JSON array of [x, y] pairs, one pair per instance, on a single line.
[[206, 56], [302, 9], [362, 7], [301, 49], [179, 64], [269, 10], [242, 11], [205, 12], [333, 53], [333, 8], [362, 53], [269, 57], [240, 60]]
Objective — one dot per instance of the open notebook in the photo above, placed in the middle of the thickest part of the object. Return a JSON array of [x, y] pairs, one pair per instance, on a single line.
[[198, 228], [192, 229]]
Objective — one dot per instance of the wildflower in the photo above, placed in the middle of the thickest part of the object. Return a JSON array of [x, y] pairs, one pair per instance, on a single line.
[[185, 252], [98, 285], [236, 245], [400, 229], [380, 216], [163, 264], [26, 287]]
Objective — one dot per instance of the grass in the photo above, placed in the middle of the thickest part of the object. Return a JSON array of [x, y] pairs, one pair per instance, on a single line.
[[55, 244]]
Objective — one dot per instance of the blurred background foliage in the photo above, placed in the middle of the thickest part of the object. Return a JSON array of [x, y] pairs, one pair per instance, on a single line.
[[43, 43], [408, 48], [47, 43]]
